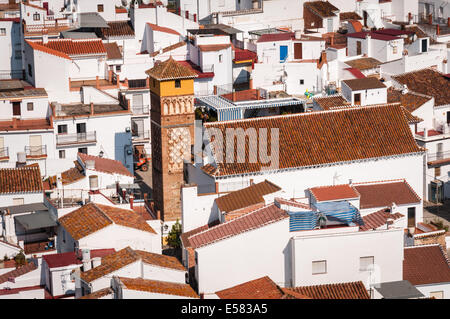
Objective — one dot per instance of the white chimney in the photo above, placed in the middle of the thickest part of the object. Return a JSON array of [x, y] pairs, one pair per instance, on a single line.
[[97, 261], [393, 208], [93, 182], [86, 259], [425, 132], [45, 38], [90, 164], [298, 34]]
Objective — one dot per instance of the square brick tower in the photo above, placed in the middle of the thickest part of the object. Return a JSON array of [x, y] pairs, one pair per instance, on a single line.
[[172, 128]]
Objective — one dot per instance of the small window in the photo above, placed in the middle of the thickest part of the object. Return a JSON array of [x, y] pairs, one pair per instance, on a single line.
[[302, 82], [62, 129], [100, 8], [83, 150], [394, 50], [62, 154], [220, 58], [30, 70], [178, 83], [437, 171], [30, 106], [18, 201], [2, 31], [319, 267], [437, 294], [118, 68], [366, 263], [411, 217], [36, 17]]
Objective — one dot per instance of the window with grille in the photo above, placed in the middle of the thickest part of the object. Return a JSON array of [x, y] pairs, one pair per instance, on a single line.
[[36, 17], [319, 267], [30, 106], [100, 8], [62, 154]]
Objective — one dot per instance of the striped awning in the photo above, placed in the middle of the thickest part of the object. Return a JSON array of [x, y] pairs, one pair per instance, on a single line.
[[302, 221]]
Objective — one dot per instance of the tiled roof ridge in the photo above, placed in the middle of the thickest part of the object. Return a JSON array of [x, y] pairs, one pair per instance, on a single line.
[[92, 157], [430, 234], [339, 109], [36, 46], [18, 272], [325, 287], [102, 212], [236, 220], [390, 182]]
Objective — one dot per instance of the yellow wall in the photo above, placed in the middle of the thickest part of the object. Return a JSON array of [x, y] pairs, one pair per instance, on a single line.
[[167, 88]]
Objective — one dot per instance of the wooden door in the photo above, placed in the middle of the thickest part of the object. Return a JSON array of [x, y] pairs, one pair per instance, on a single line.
[[358, 99], [16, 108], [298, 51], [35, 145], [358, 48]]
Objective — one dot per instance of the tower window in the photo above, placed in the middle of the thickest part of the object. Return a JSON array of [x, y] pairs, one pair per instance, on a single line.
[[178, 83]]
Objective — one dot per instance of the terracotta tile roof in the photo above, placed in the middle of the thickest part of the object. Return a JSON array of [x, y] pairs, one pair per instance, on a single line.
[[244, 95], [105, 165], [169, 48], [110, 264], [244, 55], [20, 125], [356, 73], [428, 82], [357, 26], [331, 102], [38, 47], [170, 70], [93, 217], [100, 252], [364, 63], [257, 219], [246, 197], [374, 35], [186, 235], [378, 219], [261, 288], [384, 194], [99, 294], [72, 175], [214, 47], [61, 260], [344, 16], [113, 51], [310, 139], [159, 287], [118, 29], [364, 84], [350, 290], [160, 260], [195, 68], [412, 119], [323, 9], [72, 48], [424, 265], [162, 29], [17, 272], [411, 101], [330, 193], [21, 180], [292, 203], [274, 37]]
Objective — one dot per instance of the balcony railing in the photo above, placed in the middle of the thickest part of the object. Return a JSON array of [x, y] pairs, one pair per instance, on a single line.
[[77, 138], [431, 157], [141, 135], [36, 151], [4, 153], [141, 109]]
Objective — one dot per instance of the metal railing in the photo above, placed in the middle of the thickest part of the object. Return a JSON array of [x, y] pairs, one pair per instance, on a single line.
[[137, 84], [40, 150], [141, 135], [4, 152], [76, 138], [141, 109], [438, 156]]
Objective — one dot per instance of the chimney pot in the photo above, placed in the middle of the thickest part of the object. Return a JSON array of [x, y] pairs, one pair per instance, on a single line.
[[258, 94], [217, 188], [215, 89], [14, 120], [233, 95], [92, 108], [438, 29], [158, 214], [131, 201]]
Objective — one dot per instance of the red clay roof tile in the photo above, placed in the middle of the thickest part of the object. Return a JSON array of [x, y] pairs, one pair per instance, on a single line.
[[351, 290]]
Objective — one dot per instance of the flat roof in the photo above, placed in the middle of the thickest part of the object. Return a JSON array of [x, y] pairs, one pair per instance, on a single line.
[[85, 109], [92, 20], [25, 208], [402, 289], [37, 220], [364, 84]]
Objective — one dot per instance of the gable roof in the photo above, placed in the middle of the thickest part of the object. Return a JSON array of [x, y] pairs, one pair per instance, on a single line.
[[323, 9], [21, 180], [113, 51], [68, 48], [261, 288], [254, 220], [111, 263], [364, 84], [170, 70], [246, 197], [118, 29], [384, 194], [17, 272], [158, 287], [105, 165], [62, 259], [330, 193], [160, 260], [428, 82], [350, 290], [378, 219], [310, 139], [423, 265], [93, 217], [155, 27], [331, 102], [38, 47], [411, 101]]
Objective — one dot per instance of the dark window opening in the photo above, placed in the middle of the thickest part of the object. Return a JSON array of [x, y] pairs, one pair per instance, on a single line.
[[83, 150], [411, 217], [62, 129], [178, 83]]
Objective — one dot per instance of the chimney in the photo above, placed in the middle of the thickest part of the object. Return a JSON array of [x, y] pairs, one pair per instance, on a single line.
[[14, 122], [124, 193], [215, 89], [86, 259], [44, 37], [92, 108], [258, 94], [158, 215], [217, 188], [97, 84], [425, 132], [233, 96], [131, 201], [250, 84], [430, 19], [438, 29], [332, 40], [409, 17]]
